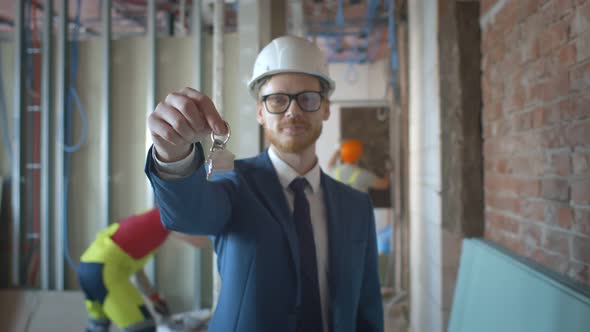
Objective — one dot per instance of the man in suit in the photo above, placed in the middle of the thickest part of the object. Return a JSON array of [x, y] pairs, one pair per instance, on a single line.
[[296, 249]]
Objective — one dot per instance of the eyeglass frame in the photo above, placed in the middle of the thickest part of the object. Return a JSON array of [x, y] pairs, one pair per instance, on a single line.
[[291, 97]]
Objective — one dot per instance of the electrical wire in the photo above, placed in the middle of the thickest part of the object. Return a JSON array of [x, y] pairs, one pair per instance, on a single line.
[[73, 97]]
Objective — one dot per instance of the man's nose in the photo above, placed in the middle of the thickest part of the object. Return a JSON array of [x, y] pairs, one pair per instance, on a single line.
[[294, 109]]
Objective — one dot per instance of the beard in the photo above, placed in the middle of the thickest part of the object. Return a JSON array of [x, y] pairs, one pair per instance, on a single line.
[[297, 144]]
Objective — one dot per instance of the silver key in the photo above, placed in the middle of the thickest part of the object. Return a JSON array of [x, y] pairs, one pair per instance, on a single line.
[[219, 160]]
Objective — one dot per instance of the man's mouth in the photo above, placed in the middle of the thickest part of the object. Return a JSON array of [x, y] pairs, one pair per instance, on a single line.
[[295, 128]]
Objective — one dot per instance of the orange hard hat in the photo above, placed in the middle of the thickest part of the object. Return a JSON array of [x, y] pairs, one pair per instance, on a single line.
[[351, 151]]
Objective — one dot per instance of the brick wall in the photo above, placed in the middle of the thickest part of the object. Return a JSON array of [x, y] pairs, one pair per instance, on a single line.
[[536, 128]]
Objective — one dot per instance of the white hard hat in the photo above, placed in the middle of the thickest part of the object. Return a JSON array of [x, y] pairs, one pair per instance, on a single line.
[[290, 54]]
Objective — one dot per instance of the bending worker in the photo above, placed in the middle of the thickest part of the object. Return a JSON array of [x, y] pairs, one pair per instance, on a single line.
[[349, 172], [296, 250], [106, 267]]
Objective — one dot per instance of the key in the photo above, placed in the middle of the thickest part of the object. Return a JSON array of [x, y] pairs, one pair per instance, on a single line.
[[219, 160]]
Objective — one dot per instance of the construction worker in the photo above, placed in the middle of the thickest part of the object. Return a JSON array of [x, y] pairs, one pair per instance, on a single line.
[[348, 171], [106, 267], [296, 249]]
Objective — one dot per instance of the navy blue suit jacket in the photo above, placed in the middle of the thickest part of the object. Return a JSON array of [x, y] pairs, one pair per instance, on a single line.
[[248, 216]]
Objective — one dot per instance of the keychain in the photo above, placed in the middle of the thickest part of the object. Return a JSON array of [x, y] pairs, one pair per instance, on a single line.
[[219, 160]]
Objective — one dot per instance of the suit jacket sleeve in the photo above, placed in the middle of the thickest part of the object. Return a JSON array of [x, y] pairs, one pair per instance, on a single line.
[[370, 310], [193, 204]]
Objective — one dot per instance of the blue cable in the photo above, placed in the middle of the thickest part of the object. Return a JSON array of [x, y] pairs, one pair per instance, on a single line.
[[73, 97]]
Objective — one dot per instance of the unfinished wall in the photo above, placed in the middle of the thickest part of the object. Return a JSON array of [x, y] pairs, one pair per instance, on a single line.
[[536, 89]]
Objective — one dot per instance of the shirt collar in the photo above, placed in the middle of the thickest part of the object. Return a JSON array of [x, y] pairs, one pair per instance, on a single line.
[[287, 174]]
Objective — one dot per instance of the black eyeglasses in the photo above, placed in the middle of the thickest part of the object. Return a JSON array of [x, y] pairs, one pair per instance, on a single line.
[[277, 103]]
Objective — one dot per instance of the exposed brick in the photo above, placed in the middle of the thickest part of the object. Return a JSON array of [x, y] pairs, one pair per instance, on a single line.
[[581, 249], [529, 165], [547, 116], [486, 5], [556, 189], [503, 203], [550, 260], [529, 188], [502, 222], [578, 133], [565, 218], [567, 55], [552, 138], [557, 241], [533, 210], [563, 6], [581, 191], [582, 221], [580, 77], [532, 235], [554, 36], [583, 46], [581, 162], [581, 109], [581, 20], [559, 163]]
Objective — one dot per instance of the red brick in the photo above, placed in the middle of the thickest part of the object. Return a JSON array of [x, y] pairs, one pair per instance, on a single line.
[[553, 36], [563, 6], [509, 15], [529, 165], [578, 134], [503, 203], [580, 109], [486, 5], [557, 241], [529, 188], [533, 210], [552, 138], [522, 121], [581, 249], [581, 162], [581, 191], [532, 234], [583, 46], [498, 183], [567, 55], [582, 221], [581, 20], [551, 260], [580, 77], [559, 163], [556, 189], [500, 222], [565, 217], [539, 117]]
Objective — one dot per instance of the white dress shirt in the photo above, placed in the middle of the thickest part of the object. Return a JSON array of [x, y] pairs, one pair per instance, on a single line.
[[286, 174]]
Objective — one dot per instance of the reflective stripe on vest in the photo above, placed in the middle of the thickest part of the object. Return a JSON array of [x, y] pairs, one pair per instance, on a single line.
[[352, 179]]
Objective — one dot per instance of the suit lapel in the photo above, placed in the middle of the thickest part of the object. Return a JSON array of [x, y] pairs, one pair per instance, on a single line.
[[337, 232], [271, 194]]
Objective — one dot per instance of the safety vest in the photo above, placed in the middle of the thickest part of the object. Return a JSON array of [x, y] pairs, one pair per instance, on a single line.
[[352, 179]]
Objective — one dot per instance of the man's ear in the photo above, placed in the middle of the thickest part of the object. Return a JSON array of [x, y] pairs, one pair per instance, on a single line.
[[326, 111], [259, 110]]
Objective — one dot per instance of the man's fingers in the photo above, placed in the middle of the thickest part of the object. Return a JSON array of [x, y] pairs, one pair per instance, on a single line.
[[206, 106], [176, 120], [187, 107], [161, 129]]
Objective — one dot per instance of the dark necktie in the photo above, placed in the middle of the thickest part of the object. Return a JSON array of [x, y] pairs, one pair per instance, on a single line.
[[309, 317]]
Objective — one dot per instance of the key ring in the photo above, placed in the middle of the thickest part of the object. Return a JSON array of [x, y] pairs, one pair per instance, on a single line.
[[217, 141]]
